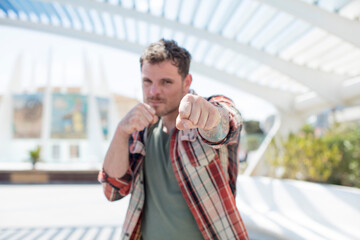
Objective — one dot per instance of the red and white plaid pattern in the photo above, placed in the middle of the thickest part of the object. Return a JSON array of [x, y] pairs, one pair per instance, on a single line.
[[206, 173]]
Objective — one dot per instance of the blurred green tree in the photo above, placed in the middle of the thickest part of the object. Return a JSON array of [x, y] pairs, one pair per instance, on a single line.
[[347, 138], [254, 135], [332, 157], [35, 156], [252, 126]]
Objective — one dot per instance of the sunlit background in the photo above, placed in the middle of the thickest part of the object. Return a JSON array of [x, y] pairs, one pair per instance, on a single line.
[[69, 71]]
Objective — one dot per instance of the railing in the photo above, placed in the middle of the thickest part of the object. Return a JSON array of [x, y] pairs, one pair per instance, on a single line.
[[258, 156]]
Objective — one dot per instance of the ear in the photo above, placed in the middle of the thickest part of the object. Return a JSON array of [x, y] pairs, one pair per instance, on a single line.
[[187, 82]]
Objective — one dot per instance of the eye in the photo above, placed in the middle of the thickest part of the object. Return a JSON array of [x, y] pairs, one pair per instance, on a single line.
[[167, 82], [146, 81]]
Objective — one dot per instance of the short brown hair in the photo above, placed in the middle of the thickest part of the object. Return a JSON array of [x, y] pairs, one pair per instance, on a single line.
[[164, 50]]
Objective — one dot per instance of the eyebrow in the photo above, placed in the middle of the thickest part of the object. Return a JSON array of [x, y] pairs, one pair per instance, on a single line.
[[167, 79], [162, 79]]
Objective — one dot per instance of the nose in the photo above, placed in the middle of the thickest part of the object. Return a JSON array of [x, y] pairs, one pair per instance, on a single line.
[[154, 90]]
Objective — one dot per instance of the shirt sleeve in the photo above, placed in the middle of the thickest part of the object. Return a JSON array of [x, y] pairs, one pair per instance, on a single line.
[[115, 188], [235, 120]]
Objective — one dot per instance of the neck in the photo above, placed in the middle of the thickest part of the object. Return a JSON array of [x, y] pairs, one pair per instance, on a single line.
[[169, 121]]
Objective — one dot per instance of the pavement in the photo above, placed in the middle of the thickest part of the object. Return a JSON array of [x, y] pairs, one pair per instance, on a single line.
[[59, 212], [271, 209]]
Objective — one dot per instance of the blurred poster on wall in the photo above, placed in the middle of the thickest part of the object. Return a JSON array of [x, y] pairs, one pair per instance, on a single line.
[[68, 117], [27, 115], [103, 106]]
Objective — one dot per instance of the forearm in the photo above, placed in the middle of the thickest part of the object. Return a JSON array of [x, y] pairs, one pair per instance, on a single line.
[[116, 161]]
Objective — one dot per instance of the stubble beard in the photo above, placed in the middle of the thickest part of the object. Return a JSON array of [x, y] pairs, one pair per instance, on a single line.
[[166, 112], [172, 109]]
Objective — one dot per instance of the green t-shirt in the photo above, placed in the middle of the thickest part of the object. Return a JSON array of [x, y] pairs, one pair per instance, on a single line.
[[166, 214]]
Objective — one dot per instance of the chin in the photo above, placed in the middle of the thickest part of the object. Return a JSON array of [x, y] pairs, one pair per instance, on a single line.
[[157, 111], [159, 114]]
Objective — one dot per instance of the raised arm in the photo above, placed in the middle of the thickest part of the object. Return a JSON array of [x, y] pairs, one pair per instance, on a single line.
[[216, 118], [116, 175]]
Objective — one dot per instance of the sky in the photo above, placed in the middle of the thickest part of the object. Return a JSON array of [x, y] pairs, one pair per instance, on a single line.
[[121, 69]]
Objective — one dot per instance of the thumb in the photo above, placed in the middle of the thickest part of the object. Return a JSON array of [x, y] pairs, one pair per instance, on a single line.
[[183, 124], [178, 123], [155, 119]]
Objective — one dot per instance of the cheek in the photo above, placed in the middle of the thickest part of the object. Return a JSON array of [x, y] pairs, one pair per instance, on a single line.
[[176, 95], [145, 90], [172, 93]]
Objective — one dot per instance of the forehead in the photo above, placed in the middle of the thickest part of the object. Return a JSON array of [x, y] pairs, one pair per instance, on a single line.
[[164, 69]]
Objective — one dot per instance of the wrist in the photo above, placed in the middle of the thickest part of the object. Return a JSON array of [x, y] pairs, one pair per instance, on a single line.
[[122, 131], [220, 131]]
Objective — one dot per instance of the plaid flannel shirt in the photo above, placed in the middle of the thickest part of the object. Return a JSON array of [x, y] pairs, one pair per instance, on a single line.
[[206, 173]]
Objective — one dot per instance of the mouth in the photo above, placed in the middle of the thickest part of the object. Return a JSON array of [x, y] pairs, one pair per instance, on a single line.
[[155, 102]]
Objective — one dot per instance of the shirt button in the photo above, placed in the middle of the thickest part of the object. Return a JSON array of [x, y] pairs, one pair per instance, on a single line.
[[139, 209], [126, 234]]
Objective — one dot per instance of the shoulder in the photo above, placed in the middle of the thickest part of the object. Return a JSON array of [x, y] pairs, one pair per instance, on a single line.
[[221, 98]]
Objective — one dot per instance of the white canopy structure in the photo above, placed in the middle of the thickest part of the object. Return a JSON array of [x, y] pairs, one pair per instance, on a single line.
[[300, 55], [303, 56]]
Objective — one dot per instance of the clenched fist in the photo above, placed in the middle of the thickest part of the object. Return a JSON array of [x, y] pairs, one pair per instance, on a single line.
[[197, 112], [140, 117]]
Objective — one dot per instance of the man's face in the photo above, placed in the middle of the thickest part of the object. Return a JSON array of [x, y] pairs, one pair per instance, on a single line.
[[163, 87]]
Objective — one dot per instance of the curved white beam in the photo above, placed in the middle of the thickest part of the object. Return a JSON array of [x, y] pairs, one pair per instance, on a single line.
[[314, 105], [313, 79], [331, 22], [282, 100]]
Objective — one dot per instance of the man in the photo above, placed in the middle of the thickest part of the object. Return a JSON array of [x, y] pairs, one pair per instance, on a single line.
[[176, 154]]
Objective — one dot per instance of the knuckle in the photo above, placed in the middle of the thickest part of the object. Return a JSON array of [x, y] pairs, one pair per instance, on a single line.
[[193, 119], [214, 111], [201, 124], [182, 113], [132, 118], [189, 97], [198, 99], [140, 125], [135, 121], [139, 106]]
